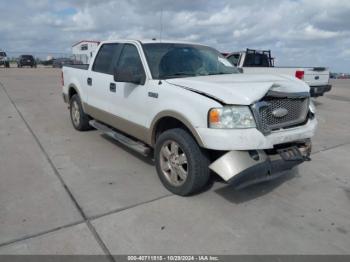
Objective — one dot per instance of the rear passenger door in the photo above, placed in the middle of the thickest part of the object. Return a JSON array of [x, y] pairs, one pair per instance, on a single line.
[[100, 77]]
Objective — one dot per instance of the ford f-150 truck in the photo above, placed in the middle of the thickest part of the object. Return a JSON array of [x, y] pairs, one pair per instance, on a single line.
[[191, 109], [260, 62]]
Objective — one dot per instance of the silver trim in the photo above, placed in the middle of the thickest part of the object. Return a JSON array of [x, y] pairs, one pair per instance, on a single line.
[[173, 163], [234, 162], [258, 106]]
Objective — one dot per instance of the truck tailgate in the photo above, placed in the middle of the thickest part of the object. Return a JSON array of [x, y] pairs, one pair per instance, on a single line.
[[316, 76]]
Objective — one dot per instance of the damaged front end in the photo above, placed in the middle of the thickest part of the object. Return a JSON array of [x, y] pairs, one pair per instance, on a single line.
[[243, 168]]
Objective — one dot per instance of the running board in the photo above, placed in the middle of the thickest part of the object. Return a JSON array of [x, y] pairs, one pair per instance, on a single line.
[[125, 140]]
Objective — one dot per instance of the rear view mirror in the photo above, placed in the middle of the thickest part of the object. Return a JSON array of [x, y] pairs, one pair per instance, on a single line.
[[127, 76]]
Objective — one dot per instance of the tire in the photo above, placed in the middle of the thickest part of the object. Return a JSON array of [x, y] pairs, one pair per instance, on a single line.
[[195, 167], [7, 64], [79, 119]]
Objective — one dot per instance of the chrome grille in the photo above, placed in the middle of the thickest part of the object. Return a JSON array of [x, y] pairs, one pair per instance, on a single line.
[[268, 120]]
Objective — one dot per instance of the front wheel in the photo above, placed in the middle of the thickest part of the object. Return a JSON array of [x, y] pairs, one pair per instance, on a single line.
[[182, 165], [80, 120]]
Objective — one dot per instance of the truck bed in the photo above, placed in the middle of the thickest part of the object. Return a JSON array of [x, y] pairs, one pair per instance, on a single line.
[[83, 67]]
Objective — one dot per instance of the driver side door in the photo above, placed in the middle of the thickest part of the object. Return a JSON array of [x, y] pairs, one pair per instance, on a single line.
[[129, 101]]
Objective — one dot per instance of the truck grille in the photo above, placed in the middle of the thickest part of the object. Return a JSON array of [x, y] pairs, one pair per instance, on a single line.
[[273, 113]]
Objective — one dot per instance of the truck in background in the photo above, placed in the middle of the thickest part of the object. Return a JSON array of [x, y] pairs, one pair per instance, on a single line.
[[4, 60], [254, 61]]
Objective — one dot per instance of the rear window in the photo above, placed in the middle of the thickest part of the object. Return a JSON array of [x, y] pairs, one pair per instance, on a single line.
[[27, 57], [256, 60]]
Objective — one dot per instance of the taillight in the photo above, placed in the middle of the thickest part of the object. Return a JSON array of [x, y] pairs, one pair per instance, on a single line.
[[299, 74], [62, 79]]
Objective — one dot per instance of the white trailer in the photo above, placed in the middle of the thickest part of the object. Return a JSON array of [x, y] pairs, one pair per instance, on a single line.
[[83, 50]]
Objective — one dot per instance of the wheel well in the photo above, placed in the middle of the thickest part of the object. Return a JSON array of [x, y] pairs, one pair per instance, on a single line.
[[167, 123], [71, 92]]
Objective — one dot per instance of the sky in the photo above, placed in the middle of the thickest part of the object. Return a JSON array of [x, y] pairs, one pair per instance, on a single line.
[[298, 32]]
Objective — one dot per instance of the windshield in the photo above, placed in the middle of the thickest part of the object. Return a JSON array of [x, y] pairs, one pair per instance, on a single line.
[[183, 60], [2, 54]]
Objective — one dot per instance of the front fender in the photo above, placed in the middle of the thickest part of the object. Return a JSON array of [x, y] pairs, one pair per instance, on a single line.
[[180, 117]]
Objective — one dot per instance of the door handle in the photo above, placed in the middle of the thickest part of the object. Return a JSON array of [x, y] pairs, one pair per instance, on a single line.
[[89, 81], [112, 87]]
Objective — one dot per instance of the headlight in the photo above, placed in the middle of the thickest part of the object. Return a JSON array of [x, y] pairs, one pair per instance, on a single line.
[[312, 107], [231, 117]]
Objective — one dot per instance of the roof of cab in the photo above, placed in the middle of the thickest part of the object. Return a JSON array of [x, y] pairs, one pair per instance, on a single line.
[[148, 41]]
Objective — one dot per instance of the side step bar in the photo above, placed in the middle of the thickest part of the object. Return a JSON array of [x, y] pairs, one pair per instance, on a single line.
[[125, 140]]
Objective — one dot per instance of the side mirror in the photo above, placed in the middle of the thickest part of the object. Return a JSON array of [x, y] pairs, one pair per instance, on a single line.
[[240, 70], [127, 76]]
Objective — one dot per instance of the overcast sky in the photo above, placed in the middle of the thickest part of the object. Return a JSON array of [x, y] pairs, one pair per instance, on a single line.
[[299, 32]]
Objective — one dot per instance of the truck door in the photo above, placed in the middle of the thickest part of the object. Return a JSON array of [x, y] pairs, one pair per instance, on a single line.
[[128, 100], [99, 79]]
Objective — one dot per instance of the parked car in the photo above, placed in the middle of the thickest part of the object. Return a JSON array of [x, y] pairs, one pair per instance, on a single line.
[[191, 109], [26, 60], [4, 60], [48, 62], [260, 62]]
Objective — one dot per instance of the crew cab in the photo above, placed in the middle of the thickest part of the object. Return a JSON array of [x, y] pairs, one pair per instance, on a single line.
[[260, 62], [188, 107]]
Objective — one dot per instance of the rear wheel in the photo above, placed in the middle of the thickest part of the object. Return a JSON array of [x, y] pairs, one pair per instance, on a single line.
[[181, 164], [80, 120]]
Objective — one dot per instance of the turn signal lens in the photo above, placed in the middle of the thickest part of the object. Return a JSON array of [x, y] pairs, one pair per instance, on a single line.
[[214, 116]]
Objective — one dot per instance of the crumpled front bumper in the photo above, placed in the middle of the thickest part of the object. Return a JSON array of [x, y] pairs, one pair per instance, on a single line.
[[243, 168]]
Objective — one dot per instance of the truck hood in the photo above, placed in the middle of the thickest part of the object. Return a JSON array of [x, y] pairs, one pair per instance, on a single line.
[[240, 89]]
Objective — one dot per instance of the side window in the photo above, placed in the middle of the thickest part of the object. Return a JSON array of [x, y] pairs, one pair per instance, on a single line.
[[257, 60], [234, 59], [105, 57], [130, 60]]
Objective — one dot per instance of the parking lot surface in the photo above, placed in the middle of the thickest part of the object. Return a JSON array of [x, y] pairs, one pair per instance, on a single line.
[[69, 192]]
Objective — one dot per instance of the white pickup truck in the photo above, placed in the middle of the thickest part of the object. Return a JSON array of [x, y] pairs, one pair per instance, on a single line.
[[260, 62], [187, 106]]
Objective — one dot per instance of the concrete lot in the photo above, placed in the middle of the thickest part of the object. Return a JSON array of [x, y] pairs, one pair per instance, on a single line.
[[65, 192]]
